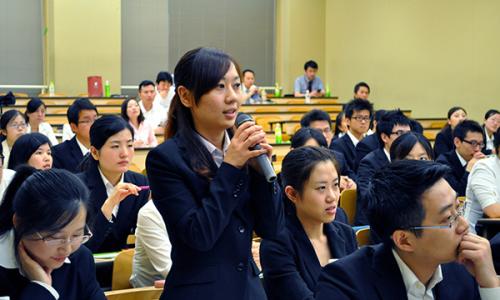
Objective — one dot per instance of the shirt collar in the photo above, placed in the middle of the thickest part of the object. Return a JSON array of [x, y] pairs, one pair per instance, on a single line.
[[109, 186], [463, 162], [412, 283], [8, 259], [84, 149], [387, 154], [354, 140], [216, 153]]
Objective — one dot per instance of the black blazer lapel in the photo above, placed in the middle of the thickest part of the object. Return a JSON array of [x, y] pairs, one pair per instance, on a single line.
[[76, 152], [389, 282], [336, 241]]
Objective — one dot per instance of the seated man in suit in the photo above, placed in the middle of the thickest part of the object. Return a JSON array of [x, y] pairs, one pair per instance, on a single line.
[[357, 113], [392, 124], [68, 155], [371, 142], [468, 141], [320, 120], [427, 251]]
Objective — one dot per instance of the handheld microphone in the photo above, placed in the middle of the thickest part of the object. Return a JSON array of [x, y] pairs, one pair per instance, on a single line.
[[262, 160]]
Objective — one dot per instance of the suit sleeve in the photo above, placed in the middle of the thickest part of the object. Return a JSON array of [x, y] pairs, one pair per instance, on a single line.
[[336, 283], [267, 205], [365, 173], [282, 280], [361, 151], [90, 287], [197, 222], [440, 145]]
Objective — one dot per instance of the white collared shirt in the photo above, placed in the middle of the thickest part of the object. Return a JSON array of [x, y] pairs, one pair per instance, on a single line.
[[217, 155], [387, 154], [5, 153], [463, 162], [415, 289], [84, 149], [489, 140], [354, 140], [8, 259], [165, 102], [156, 116], [109, 189]]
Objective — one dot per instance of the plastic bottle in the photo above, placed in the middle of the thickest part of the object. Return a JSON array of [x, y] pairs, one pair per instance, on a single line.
[[277, 91], [107, 89], [52, 89], [277, 133], [308, 97], [328, 92]]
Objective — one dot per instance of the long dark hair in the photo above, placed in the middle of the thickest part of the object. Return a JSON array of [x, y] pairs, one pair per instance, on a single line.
[[199, 71], [24, 147], [102, 129], [32, 106], [42, 201], [124, 115]]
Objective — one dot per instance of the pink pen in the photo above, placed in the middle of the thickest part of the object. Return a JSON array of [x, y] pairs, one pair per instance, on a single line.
[[143, 187]]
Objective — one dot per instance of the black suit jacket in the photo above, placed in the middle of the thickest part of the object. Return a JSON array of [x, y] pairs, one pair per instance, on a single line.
[[443, 142], [372, 273], [344, 167], [112, 236], [76, 280], [67, 155], [365, 146], [210, 223], [290, 265], [495, 251], [345, 146], [458, 176], [374, 161]]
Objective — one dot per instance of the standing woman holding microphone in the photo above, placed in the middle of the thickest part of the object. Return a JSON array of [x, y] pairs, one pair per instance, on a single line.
[[206, 187]]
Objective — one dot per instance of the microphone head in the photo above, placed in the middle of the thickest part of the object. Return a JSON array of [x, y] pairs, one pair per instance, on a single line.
[[242, 118]]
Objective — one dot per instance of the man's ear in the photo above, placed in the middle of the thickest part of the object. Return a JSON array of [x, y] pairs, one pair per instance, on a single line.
[[74, 127], [185, 96], [457, 142], [384, 137], [292, 194], [404, 240]]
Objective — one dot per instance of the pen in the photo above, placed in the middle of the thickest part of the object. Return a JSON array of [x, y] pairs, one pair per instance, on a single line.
[[143, 187]]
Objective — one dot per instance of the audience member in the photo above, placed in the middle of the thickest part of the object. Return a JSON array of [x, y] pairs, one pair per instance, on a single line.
[[116, 194], [68, 155], [153, 112], [250, 90], [292, 262], [340, 126], [392, 125], [42, 227], [371, 141], [152, 248], [411, 145], [309, 82], [33, 149], [483, 188], [361, 91], [358, 113], [490, 126], [35, 120], [144, 134], [468, 140], [164, 89], [12, 126], [444, 139], [427, 251]]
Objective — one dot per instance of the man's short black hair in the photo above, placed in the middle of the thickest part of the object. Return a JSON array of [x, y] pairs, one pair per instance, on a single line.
[[315, 115], [145, 83], [247, 70], [466, 126], [416, 126], [387, 122], [396, 195], [360, 85], [310, 64], [76, 107], [163, 76], [357, 105]]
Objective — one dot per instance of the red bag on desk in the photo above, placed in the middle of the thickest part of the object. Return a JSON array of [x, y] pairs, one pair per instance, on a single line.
[[94, 86]]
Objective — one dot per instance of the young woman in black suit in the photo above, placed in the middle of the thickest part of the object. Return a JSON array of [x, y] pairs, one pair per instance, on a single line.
[[444, 139], [43, 221], [206, 186], [115, 193], [292, 263]]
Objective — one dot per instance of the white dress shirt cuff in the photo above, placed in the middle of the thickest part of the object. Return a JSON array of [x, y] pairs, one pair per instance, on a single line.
[[48, 288], [489, 293]]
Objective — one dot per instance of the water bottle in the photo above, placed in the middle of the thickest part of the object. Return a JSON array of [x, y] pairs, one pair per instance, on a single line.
[[328, 93], [308, 97], [277, 133], [277, 91], [52, 89], [107, 89]]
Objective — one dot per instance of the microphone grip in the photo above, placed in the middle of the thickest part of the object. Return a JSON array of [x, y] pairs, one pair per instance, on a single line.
[[265, 165]]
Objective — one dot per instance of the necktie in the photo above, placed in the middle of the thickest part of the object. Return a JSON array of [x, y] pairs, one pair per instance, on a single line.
[[310, 86]]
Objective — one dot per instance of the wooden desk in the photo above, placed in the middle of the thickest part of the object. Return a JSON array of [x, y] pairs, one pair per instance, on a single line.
[[22, 101]]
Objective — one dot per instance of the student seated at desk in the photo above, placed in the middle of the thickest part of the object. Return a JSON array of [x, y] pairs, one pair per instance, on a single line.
[[12, 126], [42, 226], [444, 139], [427, 251], [35, 120], [115, 192], [33, 149], [292, 262], [309, 82], [144, 133]]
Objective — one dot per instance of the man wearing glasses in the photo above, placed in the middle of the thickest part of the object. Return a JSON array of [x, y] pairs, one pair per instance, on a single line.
[[357, 113], [427, 251], [468, 140]]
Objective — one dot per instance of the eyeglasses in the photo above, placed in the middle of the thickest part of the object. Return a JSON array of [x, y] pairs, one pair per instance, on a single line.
[[361, 118], [474, 144], [87, 122], [18, 125], [399, 132], [75, 240], [452, 220]]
